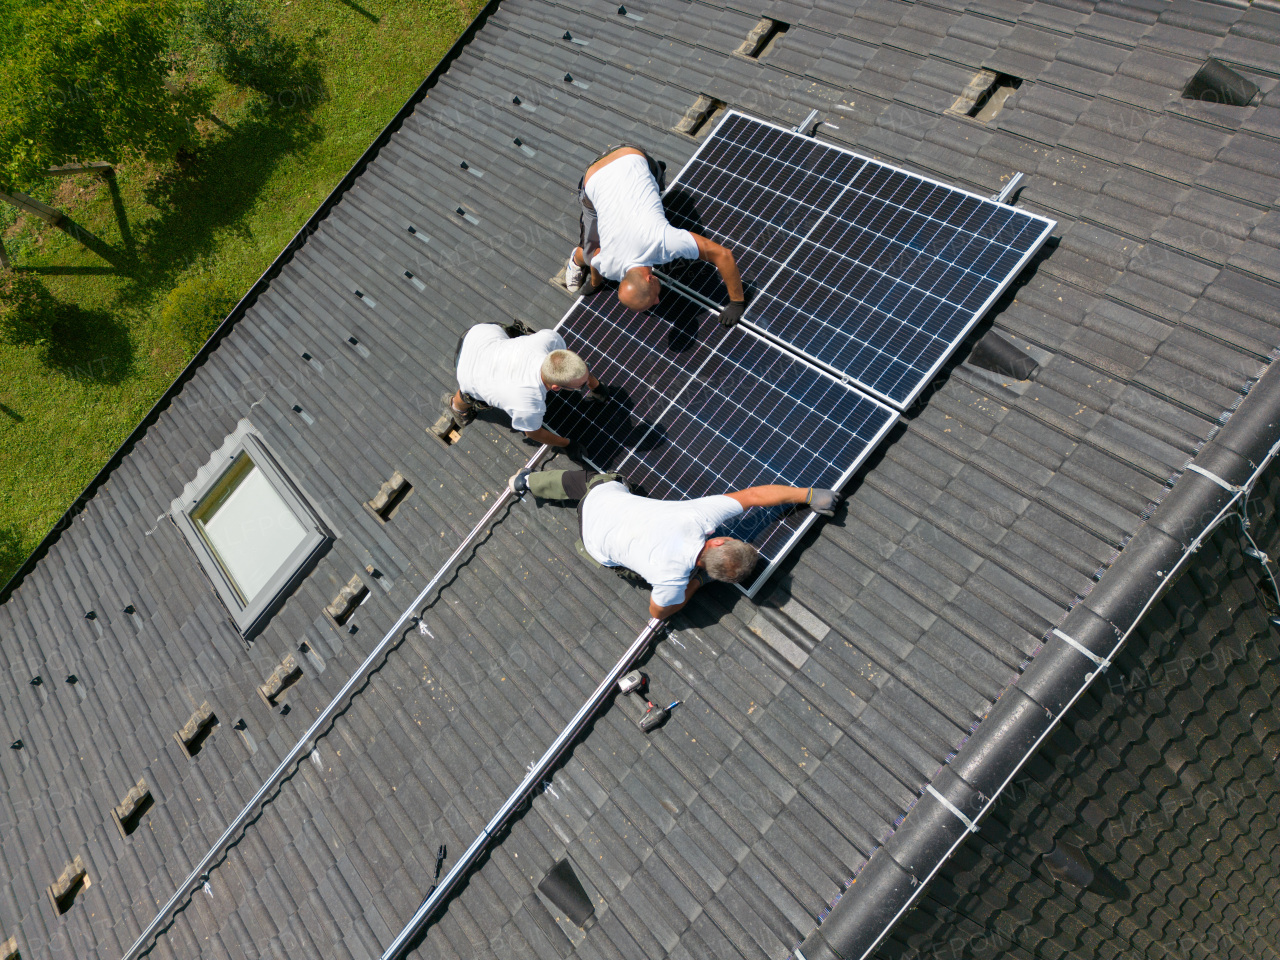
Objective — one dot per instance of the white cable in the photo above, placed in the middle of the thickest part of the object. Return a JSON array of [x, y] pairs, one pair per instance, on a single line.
[[1101, 662], [1229, 487], [969, 824]]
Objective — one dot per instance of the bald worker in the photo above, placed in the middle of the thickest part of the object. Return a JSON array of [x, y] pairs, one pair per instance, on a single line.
[[670, 543], [624, 233]]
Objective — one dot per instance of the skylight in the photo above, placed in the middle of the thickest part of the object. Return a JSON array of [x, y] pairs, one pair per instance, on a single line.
[[248, 526], [252, 528]]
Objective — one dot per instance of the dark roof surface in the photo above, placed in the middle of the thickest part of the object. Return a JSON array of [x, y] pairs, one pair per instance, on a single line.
[[812, 720], [1162, 782]]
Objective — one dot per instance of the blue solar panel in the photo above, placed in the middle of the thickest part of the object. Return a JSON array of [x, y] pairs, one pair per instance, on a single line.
[[698, 410], [878, 274], [758, 190]]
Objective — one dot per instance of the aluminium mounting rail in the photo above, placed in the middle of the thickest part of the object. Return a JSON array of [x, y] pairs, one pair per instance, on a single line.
[[303, 746], [531, 781]]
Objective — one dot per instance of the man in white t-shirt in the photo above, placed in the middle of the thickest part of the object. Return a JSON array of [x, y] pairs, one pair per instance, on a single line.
[[667, 542], [515, 375], [624, 232]]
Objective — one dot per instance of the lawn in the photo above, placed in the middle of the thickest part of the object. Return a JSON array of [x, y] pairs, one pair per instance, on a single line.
[[263, 166]]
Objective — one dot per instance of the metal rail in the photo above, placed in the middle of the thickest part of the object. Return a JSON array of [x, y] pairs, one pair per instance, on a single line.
[[304, 745], [535, 776]]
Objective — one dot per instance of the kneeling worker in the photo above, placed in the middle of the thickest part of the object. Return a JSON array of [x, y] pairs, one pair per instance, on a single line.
[[665, 541], [624, 231], [514, 374]]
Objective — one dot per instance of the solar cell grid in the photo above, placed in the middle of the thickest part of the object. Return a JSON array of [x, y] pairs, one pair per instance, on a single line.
[[893, 270], [758, 192], [701, 411], [644, 359], [867, 270]]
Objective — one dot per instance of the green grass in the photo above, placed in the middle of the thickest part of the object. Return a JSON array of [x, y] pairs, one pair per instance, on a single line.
[[65, 407]]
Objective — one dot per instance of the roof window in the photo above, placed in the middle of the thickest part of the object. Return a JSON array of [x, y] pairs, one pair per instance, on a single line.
[[63, 892], [762, 38], [251, 527], [197, 730], [701, 117], [128, 813], [985, 95]]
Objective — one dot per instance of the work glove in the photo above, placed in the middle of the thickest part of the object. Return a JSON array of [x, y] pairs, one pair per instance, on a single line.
[[823, 501], [732, 313], [600, 394]]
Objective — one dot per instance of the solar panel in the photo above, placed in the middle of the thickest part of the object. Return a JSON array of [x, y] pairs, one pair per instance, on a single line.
[[756, 189], [698, 410], [873, 272]]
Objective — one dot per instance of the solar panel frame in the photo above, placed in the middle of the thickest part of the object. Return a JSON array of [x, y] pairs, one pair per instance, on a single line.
[[706, 358], [783, 209], [764, 292]]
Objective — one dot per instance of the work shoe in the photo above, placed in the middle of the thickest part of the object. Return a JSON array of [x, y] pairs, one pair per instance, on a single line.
[[462, 418], [574, 275], [519, 483]]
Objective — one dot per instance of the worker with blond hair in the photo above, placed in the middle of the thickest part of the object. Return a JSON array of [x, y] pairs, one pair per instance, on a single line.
[[515, 374]]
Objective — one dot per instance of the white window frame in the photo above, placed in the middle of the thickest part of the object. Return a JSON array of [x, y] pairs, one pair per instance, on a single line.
[[251, 616]]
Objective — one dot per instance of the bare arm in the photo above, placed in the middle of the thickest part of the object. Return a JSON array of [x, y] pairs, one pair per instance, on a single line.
[[584, 256], [722, 259], [771, 495], [543, 435], [662, 613]]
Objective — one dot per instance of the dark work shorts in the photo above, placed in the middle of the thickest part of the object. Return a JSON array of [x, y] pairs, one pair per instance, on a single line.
[[517, 328], [588, 228]]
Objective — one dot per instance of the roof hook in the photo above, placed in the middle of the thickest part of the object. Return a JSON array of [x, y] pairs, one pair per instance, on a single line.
[[1007, 190], [806, 125]]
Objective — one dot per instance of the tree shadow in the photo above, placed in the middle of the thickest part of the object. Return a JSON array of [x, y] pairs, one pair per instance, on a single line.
[[273, 66], [12, 550], [217, 188], [88, 344]]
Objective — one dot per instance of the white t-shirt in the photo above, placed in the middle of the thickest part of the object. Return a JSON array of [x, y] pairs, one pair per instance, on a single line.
[[634, 231], [507, 372], [658, 539]]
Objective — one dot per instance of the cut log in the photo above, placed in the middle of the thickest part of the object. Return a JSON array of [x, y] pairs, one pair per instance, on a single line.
[[34, 207], [70, 169]]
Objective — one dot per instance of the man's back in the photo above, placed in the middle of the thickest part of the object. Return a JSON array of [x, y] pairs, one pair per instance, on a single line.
[[505, 372], [658, 539], [633, 226]]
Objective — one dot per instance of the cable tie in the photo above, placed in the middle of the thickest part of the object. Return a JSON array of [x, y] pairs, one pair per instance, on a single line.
[[1101, 662], [969, 824], [1229, 487]]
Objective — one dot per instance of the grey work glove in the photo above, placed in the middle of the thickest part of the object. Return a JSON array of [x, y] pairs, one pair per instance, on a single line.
[[599, 395], [732, 313], [823, 501]]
